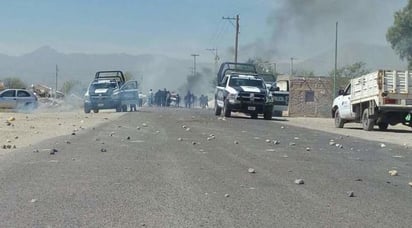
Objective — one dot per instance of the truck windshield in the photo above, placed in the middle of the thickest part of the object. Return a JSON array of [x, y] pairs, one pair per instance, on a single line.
[[246, 82], [106, 85]]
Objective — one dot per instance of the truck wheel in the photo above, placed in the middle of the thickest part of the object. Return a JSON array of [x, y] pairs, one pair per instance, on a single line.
[[254, 115], [118, 108], [383, 126], [86, 109], [96, 110], [367, 123], [218, 110], [226, 110], [338, 120], [267, 115], [124, 108]]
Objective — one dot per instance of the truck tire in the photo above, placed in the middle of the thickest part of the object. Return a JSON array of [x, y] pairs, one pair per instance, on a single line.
[[267, 115], [383, 126], [124, 108], [338, 120], [254, 115], [86, 109], [367, 123], [96, 110], [118, 108], [218, 110], [226, 110]]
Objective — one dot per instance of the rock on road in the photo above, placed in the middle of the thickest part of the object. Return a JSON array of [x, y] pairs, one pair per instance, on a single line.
[[188, 168]]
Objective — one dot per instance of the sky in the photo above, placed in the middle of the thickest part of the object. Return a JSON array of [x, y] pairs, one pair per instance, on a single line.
[[171, 27], [178, 28]]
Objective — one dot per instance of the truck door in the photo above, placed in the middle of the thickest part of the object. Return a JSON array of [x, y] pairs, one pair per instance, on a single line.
[[129, 93], [8, 99], [346, 111]]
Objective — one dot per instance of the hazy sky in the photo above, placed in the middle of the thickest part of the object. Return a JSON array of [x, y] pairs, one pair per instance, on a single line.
[[181, 27], [175, 27]]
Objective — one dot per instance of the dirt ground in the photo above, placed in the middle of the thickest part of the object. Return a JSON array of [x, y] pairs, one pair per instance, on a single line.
[[18, 130], [398, 134]]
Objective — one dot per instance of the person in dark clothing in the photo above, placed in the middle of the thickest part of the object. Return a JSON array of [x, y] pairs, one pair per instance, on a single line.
[[177, 100]]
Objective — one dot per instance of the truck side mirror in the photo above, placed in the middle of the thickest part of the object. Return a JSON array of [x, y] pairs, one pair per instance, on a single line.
[[341, 92]]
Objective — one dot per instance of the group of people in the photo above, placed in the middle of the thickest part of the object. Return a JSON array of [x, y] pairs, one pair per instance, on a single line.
[[166, 98], [163, 98]]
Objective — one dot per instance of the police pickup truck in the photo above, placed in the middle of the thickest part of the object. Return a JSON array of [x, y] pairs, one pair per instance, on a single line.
[[240, 89], [109, 90]]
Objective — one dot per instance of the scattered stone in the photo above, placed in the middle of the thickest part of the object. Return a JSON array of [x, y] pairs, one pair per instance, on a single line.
[[184, 126], [410, 183], [8, 140], [282, 127], [307, 148], [227, 195], [299, 181], [292, 144], [53, 151], [351, 194], [35, 151], [296, 138], [8, 123], [4, 146], [285, 156], [188, 129], [11, 119], [236, 142], [251, 170], [268, 140], [393, 172], [33, 200], [276, 142], [143, 224], [128, 138], [14, 147], [382, 145], [332, 142], [68, 142], [359, 179], [73, 133], [111, 133], [138, 128], [270, 150], [8, 146], [144, 124], [16, 137], [194, 143], [179, 139], [103, 150], [397, 156]]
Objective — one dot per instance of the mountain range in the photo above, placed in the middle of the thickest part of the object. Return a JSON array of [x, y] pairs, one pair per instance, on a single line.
[[157, 71]]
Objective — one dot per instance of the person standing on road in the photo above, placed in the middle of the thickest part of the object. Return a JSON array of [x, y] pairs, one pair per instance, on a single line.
[[150, 100]]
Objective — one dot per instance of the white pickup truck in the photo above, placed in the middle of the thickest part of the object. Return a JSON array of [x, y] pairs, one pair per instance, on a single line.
[[380, 98]]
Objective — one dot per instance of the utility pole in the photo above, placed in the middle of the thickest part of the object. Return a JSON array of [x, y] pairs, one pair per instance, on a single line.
[[57, 72], [237, 33], [336, 62], [275, 66], [291, 66], [194, 64], [214, 51]]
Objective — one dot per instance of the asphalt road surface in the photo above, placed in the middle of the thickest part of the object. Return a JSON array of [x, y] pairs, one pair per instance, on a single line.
[[159, 169]]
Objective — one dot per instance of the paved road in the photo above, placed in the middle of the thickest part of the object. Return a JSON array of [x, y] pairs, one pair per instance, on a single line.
[[152, 179]]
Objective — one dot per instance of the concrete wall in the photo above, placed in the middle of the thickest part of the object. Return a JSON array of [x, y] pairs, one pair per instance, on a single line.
[[310, 97]]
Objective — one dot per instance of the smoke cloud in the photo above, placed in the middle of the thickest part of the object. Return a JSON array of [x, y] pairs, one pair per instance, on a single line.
[[305, 28]]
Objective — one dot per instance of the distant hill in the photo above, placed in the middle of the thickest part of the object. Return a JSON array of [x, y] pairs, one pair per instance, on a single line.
[[39, 67]]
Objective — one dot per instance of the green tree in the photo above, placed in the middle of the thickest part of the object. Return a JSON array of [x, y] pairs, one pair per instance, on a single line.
[[345, 73], [399, 35], [14, 83]]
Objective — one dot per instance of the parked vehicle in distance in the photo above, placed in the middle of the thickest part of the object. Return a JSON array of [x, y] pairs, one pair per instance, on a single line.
[[109, 90], [380, 98], [20, 99], [240, 89], [280, 96]]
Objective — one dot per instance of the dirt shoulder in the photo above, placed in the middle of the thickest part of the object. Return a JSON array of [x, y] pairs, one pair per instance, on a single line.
[[20, 130], [399, 134]]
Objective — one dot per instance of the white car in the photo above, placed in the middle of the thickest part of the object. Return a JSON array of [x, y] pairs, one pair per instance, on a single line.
[[21, 99]]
